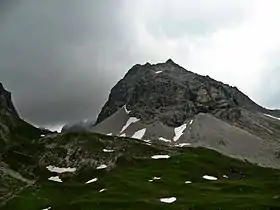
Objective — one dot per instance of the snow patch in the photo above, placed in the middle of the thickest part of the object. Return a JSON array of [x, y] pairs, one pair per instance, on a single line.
[[102, 166], [47, 208], [212, 178], [129, 121], [139, 134], [179, 132], [188, 182], [157, 72], [55, 179], [102, 190], [126, 110], [60, 170], [191, 122], [151, 180], [182, 144], [43, 135], [225, 176], [109, 134], [168, 200], [277, 118], [156, 178], [91, 181], [160, 157], [108, 150], [164, 139], [123, 135]]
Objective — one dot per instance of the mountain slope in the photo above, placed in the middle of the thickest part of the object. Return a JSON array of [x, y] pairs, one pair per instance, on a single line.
[[134, 180], [165, 102]]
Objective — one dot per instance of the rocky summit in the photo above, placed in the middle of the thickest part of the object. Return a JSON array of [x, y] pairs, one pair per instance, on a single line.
[[168, 93], [165, 102]]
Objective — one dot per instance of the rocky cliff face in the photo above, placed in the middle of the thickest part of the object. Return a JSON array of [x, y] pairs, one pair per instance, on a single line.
[[168, 93], [8, 115], [12, 128]]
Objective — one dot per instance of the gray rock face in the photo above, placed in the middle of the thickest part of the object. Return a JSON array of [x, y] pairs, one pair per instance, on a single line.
[[13, 129], [9, 117], [170, 94]]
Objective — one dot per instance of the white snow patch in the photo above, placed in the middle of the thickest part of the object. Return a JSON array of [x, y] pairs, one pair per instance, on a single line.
[[60, 170], [164, 139], [212, 178], [102, 190], [179, 131], [191, 122], [43, 135], [168, 200], [123, 135], [91, 181], [157, 72], [109, 134], [129, 121], [108, 150], [160, 157], [47, 208], [126, 110], [188, 182], [182, 144], [156, 178], [277, 118], [139, 134], [102, 166], [147, 141], [55, 179], [225, 176]]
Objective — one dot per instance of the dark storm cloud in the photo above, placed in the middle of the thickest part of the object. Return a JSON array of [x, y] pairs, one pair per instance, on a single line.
[[54, 57], [60, 58]]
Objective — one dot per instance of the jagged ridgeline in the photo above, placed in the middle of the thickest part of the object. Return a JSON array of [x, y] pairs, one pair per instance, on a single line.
[[173, 140]]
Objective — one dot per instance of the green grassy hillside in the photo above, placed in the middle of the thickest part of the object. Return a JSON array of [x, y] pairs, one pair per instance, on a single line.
[[126, 180]]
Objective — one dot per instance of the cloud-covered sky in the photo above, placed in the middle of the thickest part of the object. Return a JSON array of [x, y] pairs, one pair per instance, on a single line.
[[60, 58]]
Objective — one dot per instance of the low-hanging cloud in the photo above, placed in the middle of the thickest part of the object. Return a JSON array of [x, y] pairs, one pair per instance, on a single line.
[[60, 58]]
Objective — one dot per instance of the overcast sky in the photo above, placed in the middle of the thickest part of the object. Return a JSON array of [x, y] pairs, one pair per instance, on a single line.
[[60, 58]]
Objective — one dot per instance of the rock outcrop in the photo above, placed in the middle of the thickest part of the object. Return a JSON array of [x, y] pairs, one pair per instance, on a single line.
[[9, 117], [12, 128]]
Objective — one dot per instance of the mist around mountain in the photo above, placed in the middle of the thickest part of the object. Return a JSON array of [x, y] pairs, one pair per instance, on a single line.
[[165, 139]]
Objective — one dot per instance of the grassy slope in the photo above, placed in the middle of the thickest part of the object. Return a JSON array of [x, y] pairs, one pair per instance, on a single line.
[[248, 186]]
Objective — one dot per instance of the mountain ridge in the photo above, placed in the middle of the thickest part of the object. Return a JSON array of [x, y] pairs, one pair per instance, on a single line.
[[156, 101], [124, 92]]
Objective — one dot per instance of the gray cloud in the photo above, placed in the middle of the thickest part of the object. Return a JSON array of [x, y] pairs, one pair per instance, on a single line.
[[60, 58], [55, 57]]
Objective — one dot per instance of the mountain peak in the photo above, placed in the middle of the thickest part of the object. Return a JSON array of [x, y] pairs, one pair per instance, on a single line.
[[171, 94], [170, 61]]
